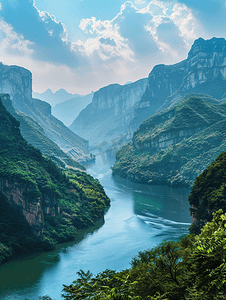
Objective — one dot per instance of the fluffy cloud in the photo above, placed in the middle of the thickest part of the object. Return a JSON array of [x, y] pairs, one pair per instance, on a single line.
[[47, 36], [142, 34], [158, 28]]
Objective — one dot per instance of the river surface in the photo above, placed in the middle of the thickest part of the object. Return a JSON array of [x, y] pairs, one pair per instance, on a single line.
[[140, 217]]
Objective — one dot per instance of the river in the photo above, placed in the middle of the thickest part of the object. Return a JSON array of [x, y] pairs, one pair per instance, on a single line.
[[140, 217]]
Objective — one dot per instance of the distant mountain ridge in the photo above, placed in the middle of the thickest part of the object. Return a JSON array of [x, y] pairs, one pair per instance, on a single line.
[[54, 98], [68, 110]]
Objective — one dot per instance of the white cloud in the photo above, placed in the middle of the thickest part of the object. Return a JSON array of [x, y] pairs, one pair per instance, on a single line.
[[13, 43], [142, 34], [158, 27]]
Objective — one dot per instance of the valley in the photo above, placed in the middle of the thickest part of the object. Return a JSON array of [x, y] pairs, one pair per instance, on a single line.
[[139, 217], [138, 166]]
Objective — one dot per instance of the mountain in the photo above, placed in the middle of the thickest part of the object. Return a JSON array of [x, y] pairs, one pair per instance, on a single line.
[[34, 134], [174, 146], [54, 98], [208, 193], [40, 205], [204, 71], [68, 110], [17, 82], [107, 116]]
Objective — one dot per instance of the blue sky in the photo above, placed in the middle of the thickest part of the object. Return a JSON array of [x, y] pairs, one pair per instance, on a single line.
[[83, 45]]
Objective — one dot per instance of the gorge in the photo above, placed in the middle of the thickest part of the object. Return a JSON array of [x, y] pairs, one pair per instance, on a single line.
[[183, 134]]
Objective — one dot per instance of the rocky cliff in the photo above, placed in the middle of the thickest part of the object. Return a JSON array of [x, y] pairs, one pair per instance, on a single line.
[[40, 204], [34, 134], [174, 146], [108, 115], [17, 82], [204, 71]]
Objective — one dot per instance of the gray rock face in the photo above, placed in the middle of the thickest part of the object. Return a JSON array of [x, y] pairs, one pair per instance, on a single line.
[[204, 71], [108, 115], [17, 82]]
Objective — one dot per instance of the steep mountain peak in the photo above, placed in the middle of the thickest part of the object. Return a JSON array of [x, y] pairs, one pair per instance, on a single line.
[[63, 93], [211, 45], [48, 93]]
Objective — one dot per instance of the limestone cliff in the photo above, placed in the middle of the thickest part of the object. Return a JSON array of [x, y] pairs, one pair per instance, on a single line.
[[204, 71], [34, 134], [17, 82], [174, 146], [108, 115]]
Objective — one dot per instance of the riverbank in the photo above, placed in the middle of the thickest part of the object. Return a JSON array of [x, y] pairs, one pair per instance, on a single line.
[[140, 217]]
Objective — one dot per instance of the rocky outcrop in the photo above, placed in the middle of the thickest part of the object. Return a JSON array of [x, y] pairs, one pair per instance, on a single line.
[[32, 211], [107, 117], [34, 134], [173, 147], [204, 71], [17, 82]]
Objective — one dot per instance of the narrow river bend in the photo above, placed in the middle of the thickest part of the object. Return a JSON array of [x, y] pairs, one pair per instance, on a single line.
[[140, 217]]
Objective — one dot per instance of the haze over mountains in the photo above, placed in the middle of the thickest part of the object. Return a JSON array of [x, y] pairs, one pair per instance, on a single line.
[[54, 98], [119, 110], [17, 82], [68, 110]]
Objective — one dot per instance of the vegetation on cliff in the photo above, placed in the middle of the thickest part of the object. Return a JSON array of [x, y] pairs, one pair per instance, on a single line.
[[175, 146], [34, 134], [208, 193], [32, 187], [192, 268]]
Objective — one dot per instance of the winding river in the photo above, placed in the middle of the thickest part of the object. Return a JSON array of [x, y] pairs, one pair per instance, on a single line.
[[140, 217]]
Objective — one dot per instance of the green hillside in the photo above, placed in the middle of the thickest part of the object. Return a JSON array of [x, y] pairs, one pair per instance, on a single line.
[[175, 146], [208, 193], [34, 134], [40, 204]]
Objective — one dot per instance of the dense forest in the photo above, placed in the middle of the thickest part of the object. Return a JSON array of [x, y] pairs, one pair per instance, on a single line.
[[40, 204]]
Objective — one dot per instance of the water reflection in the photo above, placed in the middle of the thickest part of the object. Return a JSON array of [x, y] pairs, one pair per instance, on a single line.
[[140, 217]]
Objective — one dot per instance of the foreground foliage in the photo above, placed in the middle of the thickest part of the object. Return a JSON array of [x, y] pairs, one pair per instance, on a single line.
[[193, 268]]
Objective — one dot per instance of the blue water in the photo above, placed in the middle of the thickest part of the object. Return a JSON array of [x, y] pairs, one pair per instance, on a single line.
[[140, 217]]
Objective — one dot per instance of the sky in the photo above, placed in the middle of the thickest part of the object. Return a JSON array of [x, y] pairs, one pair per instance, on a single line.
[[83, 45]]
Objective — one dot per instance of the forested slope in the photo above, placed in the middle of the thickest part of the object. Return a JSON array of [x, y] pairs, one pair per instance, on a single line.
[[40, 204], [173, 147]]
